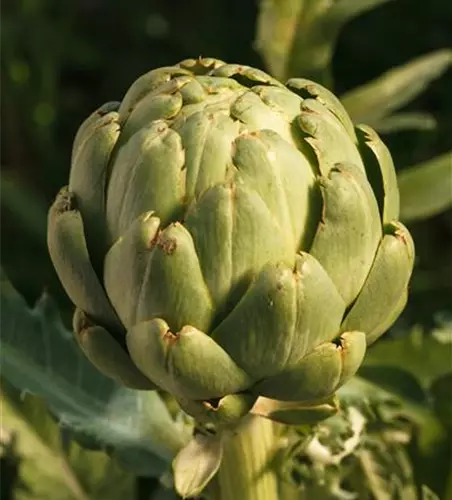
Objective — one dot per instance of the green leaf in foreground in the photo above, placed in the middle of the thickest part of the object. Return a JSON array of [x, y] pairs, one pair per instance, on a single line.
[[39, 355], [426, 189], [376, 100], [196, 464], [51, 469]]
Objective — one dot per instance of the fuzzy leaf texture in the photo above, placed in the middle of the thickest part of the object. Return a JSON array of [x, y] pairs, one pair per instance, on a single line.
[[49, 466], [39, 356]]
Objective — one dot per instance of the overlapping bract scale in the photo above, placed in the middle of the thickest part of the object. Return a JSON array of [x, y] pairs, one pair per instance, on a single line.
[[226, 237]]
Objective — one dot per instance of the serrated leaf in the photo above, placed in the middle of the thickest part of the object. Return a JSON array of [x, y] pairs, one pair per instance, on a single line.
[[49, 469], [361, 451], [388, 471], [39, 355], [426, 189], [377, 99], [298, 37], [391, 406]]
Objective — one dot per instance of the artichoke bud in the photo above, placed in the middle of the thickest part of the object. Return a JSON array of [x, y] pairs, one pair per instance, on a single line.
[[349, 232], [126, 263], [231, 239], [380, 172], [319, 374], [391, 317], [173, 283], [384, 291], [280, 100], [148, 166], [193, 92], [107, 355], [352, 347], [252, 112], [190, 362], [311, 90], [207, 140], [70, 256], [147, 347], [88, 179], [150, 108], [202, 65], [224, 412], [295, 412], [327, 137], [86, 127], [145, 84], [245, 75]]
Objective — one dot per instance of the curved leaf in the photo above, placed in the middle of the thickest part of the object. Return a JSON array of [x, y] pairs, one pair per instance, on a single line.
[[298, 37], [379, 98], [406, 121], [197, 463], [426, 189]]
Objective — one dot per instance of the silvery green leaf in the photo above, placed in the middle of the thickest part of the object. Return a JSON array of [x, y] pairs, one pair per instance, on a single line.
[[378, 98], [39, 356], [426, 188], [406, 121], [298, 37]]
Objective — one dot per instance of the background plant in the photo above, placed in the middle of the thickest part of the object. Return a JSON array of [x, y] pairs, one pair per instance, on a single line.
[[59, 61]]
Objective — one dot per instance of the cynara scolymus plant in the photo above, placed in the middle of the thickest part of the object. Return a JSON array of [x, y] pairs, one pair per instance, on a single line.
[[230, 240]]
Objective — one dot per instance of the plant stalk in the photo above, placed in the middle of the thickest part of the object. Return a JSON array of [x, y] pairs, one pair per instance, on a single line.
[[246, 471]]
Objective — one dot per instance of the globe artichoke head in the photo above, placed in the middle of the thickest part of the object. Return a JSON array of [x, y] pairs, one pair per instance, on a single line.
[[225, 237]]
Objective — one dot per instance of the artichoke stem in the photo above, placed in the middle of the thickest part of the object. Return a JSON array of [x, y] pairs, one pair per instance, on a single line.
[[246, 471]]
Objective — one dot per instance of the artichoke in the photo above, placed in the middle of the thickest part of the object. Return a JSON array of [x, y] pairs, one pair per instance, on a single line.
[[226, 237]]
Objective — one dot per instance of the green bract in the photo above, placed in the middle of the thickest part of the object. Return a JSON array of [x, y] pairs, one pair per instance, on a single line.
[[225, 237]]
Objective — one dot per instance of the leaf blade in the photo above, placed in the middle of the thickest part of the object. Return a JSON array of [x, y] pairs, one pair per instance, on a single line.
[[426, 188], [378, 98]]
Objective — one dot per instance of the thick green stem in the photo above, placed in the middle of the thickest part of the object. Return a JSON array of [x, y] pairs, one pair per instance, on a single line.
[[245, 472]]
